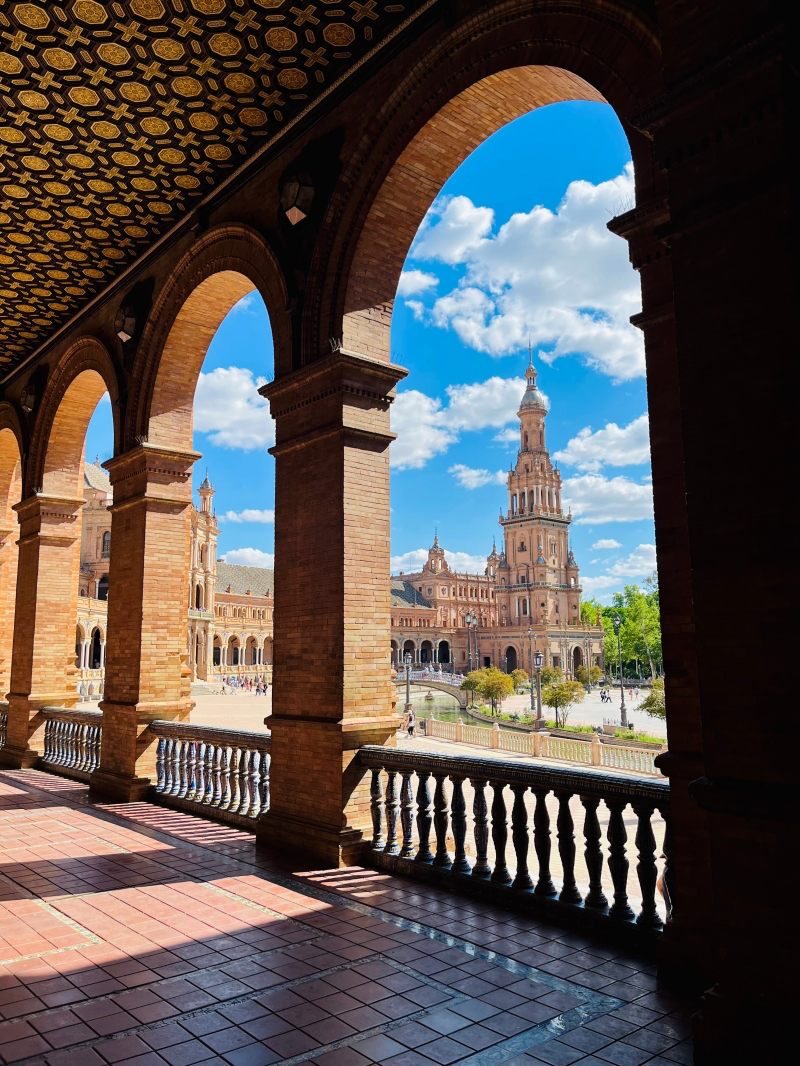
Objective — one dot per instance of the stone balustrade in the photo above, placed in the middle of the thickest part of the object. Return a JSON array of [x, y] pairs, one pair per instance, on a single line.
[[222, 773], [71, 741], [433, 818], [3, 722], [588, 751]]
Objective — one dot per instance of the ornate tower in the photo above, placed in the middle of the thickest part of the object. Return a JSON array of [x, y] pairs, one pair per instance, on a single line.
[[202, 581], [539, 583]]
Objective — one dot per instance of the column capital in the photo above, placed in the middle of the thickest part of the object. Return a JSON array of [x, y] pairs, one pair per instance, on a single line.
[[160, 474], [51, 517], [343, 373]]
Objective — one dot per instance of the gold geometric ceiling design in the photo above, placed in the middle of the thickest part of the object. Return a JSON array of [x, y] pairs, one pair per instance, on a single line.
[[116, 117]]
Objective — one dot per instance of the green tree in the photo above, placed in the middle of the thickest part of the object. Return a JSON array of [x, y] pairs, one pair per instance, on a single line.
[[518, 677], [472, 684], [591, 612], [551, 674], [654, 703], [588, 675], [561, 696], [495, 686]]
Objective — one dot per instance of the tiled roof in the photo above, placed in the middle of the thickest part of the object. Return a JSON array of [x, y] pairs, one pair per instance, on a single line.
[[256, 580], [95, 477], [405, 595]]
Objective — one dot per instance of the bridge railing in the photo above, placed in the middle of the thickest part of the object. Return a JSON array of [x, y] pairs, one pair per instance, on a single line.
[[431, 677]]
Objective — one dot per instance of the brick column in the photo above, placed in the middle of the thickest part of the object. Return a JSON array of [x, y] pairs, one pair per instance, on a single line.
[[331, 680], [147, 676], [8, 588], [43, 671]]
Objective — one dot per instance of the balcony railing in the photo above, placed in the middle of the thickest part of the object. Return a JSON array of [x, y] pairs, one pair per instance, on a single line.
[[222, 773], [71, 741], [432, 818]]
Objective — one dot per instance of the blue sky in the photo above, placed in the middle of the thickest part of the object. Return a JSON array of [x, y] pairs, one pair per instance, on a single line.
[[515, 247]]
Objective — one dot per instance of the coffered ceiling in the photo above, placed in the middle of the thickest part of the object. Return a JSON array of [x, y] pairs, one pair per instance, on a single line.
[[116, 117]]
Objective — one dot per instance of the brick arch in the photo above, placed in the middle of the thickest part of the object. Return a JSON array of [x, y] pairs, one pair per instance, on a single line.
[[226, 264], [80, 378], [489, 71], [10, 494]]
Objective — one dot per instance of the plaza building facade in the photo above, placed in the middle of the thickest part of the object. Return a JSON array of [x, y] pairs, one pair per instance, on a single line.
[[529, 597], [229, 610]]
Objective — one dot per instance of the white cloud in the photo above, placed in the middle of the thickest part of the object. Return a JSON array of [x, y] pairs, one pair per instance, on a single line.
[[249, 557], [459, 228], [426, 427], [249, 514], [413, 560], [606, 545], [559, 277], [251, 303], [228, 407], [413, 282], [417, 308], [595, 499], [509, 435], [639, 564], [469, 477], [613, 446]]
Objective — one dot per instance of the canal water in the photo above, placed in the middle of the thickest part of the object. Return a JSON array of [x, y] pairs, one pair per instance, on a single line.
[[442, 706]]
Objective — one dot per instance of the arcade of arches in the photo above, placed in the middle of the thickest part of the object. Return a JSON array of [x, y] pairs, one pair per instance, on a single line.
[[324, 192]]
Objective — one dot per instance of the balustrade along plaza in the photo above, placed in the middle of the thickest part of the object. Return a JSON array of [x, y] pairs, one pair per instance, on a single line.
[[462, 834]]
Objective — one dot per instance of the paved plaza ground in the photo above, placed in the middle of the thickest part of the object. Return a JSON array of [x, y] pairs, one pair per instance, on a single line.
[[134, 934]]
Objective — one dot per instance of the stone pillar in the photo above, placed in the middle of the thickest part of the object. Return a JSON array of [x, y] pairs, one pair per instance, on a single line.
[[331, 579], [43, 671], [147, 676]]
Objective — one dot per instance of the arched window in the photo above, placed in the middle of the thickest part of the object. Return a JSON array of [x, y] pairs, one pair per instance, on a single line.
[[198, 597], [102, 588], [105, 550]]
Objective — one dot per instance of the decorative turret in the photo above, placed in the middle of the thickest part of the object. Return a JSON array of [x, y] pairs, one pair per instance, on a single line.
[[436, 560], [206, 493], [492, 560], [532, 411]]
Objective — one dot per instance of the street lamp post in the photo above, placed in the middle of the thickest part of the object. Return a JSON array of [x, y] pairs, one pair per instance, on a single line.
[[471, 621], [623, 714], [538, 660], [531, 639], [407, 661]]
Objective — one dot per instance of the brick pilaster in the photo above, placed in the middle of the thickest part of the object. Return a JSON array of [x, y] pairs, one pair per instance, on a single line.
[[43, 662], [147, 676], [8, 591], [331, 686]]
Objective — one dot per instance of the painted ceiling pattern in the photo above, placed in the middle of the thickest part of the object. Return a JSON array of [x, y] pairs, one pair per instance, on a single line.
[[116, 117]]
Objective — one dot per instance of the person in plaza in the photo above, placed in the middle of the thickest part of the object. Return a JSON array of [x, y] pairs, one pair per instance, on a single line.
[[411, 722]]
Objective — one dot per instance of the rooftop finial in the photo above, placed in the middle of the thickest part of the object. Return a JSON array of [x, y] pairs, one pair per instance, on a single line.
[[530, 352], [436, 536]]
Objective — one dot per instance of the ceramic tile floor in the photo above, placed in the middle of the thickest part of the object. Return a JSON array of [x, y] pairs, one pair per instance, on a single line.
[[137, 935]]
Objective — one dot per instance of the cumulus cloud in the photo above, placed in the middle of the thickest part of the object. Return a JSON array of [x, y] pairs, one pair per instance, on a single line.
[[509, 435], [413, 282], [613, 446], [426, 427], [249, 303], [639, 564], [463, 562], [606, 545], [469, 477], [249, 514], [595, 499], [452, 229], [557, 277], [228, 407], [249, 557]]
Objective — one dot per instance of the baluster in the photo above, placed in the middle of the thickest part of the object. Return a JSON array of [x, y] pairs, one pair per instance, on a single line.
[[208, 772], [225, 774], [646, 866], [160, 764], [593, 854], [168, 746], [519, 836], [500, 875], [67, 759], [97, 737], [191, 771], [566, 848], [392, 813], [63, 743], [541, 842], [216, 797], [48, 740], [233, 777], [243, 806], [407, 815], [266, 759], [480, 816], [668, 873], [376, 811], [200, 771], [441, 821], [183, 766], [424, 817], [459, 819], [252, 784], [84, 747], [618, 860], [75, 740]]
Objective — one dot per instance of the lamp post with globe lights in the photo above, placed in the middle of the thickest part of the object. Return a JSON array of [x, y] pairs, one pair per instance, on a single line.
[[471, 620], [623, 714], [407, 660]]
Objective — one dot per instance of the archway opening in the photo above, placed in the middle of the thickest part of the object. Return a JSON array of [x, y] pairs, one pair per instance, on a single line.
[[10, 495], [96, 650], [510, 659], [426, 652], [443, 654]]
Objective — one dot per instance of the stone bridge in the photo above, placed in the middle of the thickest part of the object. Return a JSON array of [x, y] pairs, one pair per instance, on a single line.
[[438, 686]]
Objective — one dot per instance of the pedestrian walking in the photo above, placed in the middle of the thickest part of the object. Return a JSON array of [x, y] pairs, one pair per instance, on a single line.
[[411, 723]]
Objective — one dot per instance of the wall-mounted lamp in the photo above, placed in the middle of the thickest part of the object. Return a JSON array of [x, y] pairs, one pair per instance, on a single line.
[[297, 196]]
